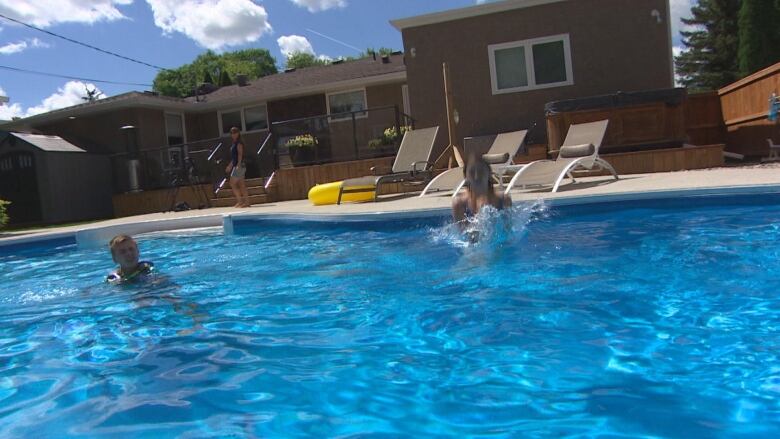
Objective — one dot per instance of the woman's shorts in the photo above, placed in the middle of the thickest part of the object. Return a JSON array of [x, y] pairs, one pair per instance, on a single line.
[[238, 171]]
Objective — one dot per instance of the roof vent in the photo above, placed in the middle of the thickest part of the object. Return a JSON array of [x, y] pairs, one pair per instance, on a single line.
[[242, 80], [385, 59], [289, 70]]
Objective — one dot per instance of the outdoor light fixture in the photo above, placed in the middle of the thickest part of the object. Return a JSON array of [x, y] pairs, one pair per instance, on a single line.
[[657, 15]]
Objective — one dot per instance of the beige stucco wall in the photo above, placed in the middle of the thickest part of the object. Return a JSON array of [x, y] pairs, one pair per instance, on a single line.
[[616, 45]]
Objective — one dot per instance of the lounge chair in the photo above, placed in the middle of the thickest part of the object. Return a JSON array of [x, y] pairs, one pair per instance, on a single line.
[[412, 164], [503, 149], [774, 151], [580, 151]]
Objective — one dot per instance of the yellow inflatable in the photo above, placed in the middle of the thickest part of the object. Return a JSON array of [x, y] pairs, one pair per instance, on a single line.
[[328, 193]]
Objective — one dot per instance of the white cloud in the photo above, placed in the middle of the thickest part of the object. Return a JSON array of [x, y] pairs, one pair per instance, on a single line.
[[8, 112], [50, 12], [320, 5], [72, 93], [289, 44], [213, 24], [679, 9], [19, 46], [13, 48]]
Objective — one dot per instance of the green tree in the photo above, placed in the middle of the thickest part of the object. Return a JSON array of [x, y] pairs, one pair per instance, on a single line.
[[182, 81], [379, 52], [301, 60], [709, 60], [759, 35], [224, 79], [208, 79]]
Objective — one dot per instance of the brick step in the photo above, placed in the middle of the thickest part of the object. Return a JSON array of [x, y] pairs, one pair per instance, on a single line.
[[227, 202], [226, 192]]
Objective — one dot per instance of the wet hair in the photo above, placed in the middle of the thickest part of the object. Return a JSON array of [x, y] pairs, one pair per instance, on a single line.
[[118, 239], [478, 161]]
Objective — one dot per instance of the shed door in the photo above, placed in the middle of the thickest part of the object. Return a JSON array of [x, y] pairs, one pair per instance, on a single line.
[[19, 185]]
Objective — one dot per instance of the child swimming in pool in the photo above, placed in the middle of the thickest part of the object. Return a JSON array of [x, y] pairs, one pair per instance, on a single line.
[[479, 192], [124, 251]]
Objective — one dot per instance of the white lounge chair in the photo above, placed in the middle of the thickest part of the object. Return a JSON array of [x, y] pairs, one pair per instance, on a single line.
[[774, 152], [412, 164], [503, 149], [580, 151]]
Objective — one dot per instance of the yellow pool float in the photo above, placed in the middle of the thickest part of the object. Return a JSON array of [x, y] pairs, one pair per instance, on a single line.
[[328, 193]]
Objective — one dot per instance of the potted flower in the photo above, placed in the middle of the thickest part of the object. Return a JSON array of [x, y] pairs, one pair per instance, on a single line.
[[386, 142], [302, 148]]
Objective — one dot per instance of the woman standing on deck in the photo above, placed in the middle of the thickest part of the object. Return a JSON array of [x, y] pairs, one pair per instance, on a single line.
[[237, 169]]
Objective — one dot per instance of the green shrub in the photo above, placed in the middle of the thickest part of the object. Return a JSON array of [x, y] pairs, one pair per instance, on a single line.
[[3, 213]]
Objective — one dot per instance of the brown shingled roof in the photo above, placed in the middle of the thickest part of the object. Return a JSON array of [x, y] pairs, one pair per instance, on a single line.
[[289, 82]]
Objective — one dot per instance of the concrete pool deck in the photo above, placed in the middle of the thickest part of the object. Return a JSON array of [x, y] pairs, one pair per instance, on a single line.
[[635, 186]]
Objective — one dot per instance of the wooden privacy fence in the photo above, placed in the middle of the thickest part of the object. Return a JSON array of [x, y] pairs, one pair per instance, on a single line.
[[703, 119], [745, 106]]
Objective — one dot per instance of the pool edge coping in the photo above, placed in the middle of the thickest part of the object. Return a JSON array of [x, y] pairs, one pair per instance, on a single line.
[[99, 235]]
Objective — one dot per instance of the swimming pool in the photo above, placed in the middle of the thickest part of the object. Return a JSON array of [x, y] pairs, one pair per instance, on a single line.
[[627, 319]]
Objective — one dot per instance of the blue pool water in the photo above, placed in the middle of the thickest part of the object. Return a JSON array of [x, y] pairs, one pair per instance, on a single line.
[[654, 322]]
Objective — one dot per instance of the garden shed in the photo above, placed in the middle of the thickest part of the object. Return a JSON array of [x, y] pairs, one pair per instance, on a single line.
[[49, 180]]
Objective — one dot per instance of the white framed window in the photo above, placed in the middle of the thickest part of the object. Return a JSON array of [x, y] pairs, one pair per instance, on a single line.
[[346, 102], [530, 64], [405, 96], [247, 119], [256, 118], [174, 129]]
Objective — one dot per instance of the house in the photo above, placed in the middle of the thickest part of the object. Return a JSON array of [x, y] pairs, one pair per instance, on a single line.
[[49, 180], [162, 130], [507, 59]]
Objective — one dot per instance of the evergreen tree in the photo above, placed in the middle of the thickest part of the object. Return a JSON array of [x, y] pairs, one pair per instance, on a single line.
[[709, 60], [224, 79], [759, 35]]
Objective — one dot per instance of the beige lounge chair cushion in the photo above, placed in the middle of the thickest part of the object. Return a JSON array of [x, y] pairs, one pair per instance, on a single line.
[[573, 151], [495, 159]]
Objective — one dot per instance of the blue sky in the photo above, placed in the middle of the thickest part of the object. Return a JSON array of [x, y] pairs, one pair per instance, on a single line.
[[169, 33]]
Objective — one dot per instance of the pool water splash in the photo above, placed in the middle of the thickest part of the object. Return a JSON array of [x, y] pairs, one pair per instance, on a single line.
[[491, 228]]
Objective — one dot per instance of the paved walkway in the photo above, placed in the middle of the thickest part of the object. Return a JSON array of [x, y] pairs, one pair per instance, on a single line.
[[754, 176]]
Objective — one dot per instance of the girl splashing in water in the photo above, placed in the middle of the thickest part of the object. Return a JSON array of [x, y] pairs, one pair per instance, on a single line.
[[479, 192]]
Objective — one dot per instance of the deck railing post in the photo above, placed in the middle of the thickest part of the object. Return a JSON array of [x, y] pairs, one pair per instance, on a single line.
[[397, 127], [354, 137]]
